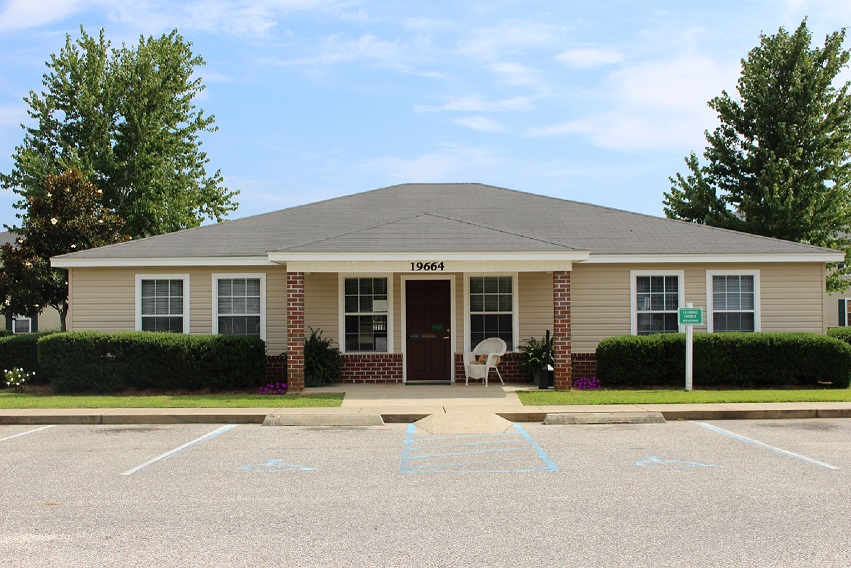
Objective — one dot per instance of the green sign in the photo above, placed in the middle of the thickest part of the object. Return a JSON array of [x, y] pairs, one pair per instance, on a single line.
[[690, 316]]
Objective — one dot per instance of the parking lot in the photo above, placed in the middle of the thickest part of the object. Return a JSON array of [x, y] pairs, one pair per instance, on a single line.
[[720, 493]]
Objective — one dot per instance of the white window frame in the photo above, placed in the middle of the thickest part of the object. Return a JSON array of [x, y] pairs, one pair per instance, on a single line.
[[184, 277], [16, 319], [341, 310], [710, 311], [238, 276], [844, 320], [633, 293], [515, 307]]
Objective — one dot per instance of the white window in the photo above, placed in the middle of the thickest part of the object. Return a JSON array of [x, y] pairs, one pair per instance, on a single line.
[[21, 324], [492, 305], [162, 302], [655, 298], [844, 312], [365, 305], [239, 304], [732, 300]]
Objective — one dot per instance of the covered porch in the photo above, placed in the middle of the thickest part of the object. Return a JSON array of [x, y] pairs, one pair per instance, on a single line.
[[410, 321]]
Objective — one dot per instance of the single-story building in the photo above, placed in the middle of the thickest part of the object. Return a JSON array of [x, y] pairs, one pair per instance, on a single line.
[[408, 278]]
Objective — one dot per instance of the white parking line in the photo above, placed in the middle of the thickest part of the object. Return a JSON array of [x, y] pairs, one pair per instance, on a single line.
[[28, 432], [182, 448], [763, 445]]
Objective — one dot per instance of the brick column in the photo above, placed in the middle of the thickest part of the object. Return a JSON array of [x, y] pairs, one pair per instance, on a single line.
[[562, 331], [295, 331]]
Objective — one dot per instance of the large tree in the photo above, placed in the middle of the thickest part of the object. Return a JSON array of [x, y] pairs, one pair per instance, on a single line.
[[779, 164], [126, 119], [67, 217]]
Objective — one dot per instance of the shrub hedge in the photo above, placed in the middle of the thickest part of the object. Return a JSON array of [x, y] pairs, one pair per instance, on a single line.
[[730, 359], [840, 333], [22, 351], [107, 362]]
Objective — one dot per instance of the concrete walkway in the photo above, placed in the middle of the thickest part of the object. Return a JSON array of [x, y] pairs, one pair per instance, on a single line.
[[377, 404]]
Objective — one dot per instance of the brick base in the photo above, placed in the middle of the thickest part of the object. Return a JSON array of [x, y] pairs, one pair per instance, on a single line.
[[376, 368], [584, 365], [276, 368]]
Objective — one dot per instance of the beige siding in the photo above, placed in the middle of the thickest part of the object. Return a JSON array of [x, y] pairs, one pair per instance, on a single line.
[[321, 305], [599, 301], [48, 320], [791, 297], [803, 312], [104, 299], [535, 309]]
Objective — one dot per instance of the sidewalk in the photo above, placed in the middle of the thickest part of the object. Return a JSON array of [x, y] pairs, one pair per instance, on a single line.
[[405, 404]]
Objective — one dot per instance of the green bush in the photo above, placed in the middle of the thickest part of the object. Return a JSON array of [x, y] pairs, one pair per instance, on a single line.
[[322, 361], [840, 333], [5, 333], [729, 359], [21, 351], [107, 362], [532, 354]]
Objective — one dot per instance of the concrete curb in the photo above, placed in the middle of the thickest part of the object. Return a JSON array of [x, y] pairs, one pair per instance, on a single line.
[[323, 420], [343, 417], [605, 418]]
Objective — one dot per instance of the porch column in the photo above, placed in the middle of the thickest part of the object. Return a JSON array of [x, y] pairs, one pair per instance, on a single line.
[[295, 331], [562, 331]]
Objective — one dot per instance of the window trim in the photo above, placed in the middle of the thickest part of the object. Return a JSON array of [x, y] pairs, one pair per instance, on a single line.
[[633, 291], [842, 318], [341, 310], [184, 277], [238, 275], [757, 314], [515, 307], [21, 318]]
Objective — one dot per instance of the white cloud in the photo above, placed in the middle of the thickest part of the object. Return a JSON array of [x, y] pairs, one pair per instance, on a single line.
[[450, 163], [480, 123], [488, 43], [516, 74], [590, 58], [652, 105], [23, 14], [477, 104]]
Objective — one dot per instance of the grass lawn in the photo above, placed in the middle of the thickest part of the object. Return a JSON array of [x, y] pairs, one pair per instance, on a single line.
[[552, 398], [35, 400]]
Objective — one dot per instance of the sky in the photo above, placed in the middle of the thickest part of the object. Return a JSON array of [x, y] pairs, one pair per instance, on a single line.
[[597, 102]]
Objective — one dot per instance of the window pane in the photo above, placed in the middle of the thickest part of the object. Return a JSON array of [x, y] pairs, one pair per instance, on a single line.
[[379, 286], [491, 303], [642, 284], [719, 301], [366, 304], [505, 285], [176, 287], [747, 284], [477, 285], [671, 284], [252, 306], [351, 286], [657, 302], [176, 306], [505, 303], [365, 286], [239, 305], [477, 303], [148, 288]]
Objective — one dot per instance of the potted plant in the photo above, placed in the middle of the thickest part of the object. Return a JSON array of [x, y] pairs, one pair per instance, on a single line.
[[532, 357], [323, 363]]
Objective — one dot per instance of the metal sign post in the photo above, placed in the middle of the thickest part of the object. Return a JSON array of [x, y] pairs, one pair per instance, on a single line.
[[690, 317]]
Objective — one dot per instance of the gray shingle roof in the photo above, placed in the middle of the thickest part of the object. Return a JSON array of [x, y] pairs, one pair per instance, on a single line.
[[462, 217]]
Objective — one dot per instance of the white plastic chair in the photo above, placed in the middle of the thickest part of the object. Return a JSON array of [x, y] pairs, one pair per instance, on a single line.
[[494, 348]]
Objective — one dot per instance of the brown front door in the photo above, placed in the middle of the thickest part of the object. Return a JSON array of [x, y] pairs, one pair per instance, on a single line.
[[428, 325]]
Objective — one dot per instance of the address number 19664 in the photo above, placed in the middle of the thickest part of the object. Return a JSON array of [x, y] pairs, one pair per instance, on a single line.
[[426, 266]]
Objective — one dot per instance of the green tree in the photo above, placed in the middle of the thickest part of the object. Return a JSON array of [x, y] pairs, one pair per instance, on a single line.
[[126, 119], [67, 217], [779, 164]]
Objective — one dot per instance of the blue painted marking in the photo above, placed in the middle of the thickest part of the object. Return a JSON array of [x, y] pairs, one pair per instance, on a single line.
[[275, 466], [551, 466], [762, 445], [411, 452], [654, 461]]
